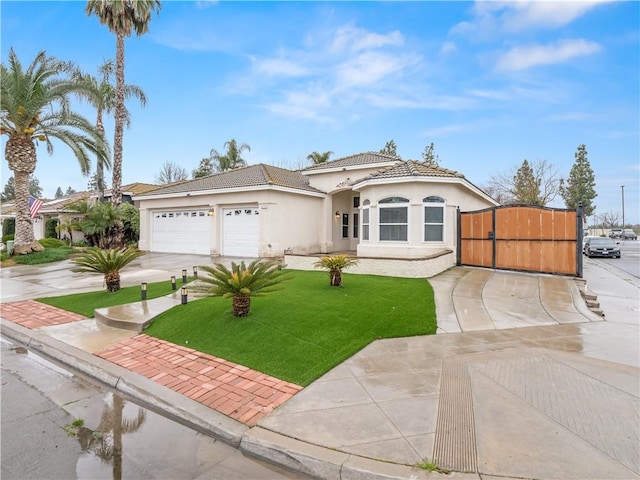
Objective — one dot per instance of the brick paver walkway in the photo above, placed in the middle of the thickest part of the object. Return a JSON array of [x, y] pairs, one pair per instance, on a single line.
[[32, 314], [241, 393]]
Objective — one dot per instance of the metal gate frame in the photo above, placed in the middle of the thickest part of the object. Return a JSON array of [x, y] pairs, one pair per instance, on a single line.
[[497, 239]]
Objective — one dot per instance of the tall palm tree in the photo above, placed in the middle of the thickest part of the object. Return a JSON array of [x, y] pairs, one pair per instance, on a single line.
[[122, 17], [36, 108], [232, 158], [105, 101], [317, 158]]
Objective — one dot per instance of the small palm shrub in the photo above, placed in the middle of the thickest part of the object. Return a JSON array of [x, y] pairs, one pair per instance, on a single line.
[[335, 264], [107, 262], [241, 282]]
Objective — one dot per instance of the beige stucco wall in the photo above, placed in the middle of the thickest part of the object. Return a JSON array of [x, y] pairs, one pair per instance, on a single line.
[[388, 267], [453, 192], [286, 220]]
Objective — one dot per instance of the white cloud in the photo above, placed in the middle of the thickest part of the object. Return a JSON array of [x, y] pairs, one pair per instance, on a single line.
[[447, 48], [370, 68], [492, 18], [201, 4], [278, 67], [447, 130], [353, 39], [570, 117], [524, 57]]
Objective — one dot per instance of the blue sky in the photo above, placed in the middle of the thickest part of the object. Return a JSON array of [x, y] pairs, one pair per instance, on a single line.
[[489, 83]]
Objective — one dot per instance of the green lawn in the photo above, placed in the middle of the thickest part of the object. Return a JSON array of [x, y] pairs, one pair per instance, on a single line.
[[299, 333], [86, 303], [47, 255]]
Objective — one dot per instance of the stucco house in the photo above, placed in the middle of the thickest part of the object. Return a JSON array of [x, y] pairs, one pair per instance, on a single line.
[[395, 215]]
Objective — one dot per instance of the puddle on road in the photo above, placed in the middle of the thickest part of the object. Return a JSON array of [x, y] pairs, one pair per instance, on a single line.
[[125, 440]]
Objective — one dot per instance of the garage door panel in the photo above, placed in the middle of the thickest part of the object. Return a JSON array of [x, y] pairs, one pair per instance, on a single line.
[[186, 231], [240, 231]]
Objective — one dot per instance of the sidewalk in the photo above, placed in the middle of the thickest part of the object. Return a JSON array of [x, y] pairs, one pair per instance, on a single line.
[[563, 376]]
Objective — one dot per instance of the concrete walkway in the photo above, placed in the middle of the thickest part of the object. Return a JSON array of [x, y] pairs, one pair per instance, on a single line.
[[527, 384]]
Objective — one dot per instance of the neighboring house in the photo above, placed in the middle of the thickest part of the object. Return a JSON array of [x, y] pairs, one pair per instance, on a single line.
[[60, 208], [377, 206]]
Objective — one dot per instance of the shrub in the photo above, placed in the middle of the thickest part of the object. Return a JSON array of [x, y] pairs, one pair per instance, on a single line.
[[335, 264], [50, 228], [107, 262], [51, 242], [8, 227], [6, 238]]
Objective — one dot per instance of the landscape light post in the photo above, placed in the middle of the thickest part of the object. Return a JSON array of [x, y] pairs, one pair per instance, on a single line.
[[173, 282]]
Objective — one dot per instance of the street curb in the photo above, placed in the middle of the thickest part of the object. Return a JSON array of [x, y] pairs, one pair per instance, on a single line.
[[151, 394]]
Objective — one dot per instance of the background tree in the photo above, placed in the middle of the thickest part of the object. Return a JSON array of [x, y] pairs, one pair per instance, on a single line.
[[104, 102], [93, 183], [171, 172], [611, 219], [69, 191], [581, 184], [389, 148], [35, 107], [121, 18], [59, 193], [534, 183], [317, 158], [429, 155], [9, 193], [204, 169], [232, 157]]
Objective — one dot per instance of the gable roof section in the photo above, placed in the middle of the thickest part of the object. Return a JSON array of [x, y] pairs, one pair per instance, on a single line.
[[412, 168], [359, 159], [251, 176], [136, 188]]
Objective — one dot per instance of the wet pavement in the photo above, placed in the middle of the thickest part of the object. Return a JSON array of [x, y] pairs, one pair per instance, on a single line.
[[57, 425], [522, 381]]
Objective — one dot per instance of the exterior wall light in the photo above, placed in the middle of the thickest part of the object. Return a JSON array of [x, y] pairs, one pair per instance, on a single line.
[[184, 276], [183, 295], [173, 282], [212, 212], [143, 291], [337, 215]]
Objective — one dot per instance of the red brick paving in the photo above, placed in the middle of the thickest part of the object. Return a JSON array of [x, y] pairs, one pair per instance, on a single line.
[[241, 393], [32, 314]]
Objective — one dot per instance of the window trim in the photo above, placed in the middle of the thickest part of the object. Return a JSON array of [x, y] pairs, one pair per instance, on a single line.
[[434, 201], [394, 202], [365, 227]]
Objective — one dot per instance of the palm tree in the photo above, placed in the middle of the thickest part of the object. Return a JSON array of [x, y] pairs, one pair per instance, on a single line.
[[99, 223], [107, 262], [317, 158], [241, 282], [104, 102], [36, 108], [68, 225], [121, 17], [335, 264], [233, 157]]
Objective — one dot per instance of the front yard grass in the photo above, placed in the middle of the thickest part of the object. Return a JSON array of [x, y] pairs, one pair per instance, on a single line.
[[86, 303], [299, 333]]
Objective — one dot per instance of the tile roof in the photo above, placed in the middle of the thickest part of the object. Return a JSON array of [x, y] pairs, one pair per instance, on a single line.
[[412, 168], [251, 176], [366, 158]]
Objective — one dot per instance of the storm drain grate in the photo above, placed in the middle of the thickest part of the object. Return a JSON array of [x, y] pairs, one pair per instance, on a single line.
[[455, 442]]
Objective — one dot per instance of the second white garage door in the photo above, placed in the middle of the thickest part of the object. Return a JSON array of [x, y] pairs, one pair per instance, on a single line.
[[240, 232], [181, 231]]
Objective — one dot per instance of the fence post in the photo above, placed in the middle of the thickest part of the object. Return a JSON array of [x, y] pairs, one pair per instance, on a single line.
[[459, 237], [579, 234], [493, 238]]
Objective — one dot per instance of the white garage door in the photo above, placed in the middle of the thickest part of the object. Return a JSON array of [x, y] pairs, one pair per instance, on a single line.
[[181, 231], [240, 230]]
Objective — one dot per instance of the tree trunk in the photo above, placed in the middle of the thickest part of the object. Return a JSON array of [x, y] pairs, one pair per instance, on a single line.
[[20, 153], [335, 277], [116, 187], [241, 305], [99, 162], [112, 279]]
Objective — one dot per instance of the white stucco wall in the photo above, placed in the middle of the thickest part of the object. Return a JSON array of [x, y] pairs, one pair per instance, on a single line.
[[286, 220]]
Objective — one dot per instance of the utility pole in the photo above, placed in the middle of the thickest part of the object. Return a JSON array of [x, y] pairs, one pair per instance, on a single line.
[[622, 186]]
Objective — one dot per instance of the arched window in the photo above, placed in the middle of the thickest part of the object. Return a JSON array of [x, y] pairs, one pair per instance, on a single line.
[[433, 212], [394, 219], [365, 219]]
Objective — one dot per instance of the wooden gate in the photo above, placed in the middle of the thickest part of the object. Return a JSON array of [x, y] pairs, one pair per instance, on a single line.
[[522, 237]]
